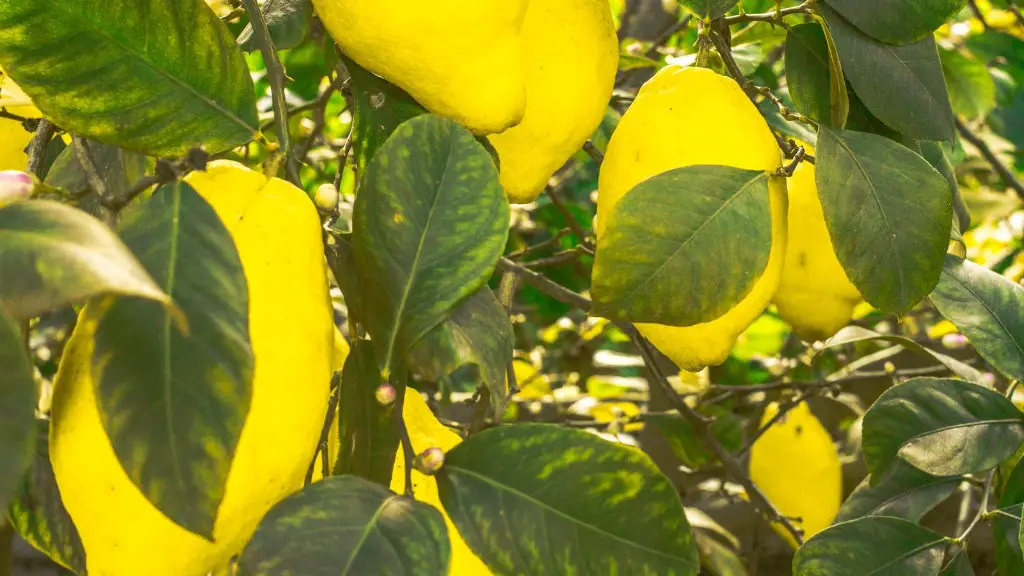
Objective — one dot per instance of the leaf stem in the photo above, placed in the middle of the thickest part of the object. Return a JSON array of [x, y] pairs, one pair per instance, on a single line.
[[403, 435], [37, 146]]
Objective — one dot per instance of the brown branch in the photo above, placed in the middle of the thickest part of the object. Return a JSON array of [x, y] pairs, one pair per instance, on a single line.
[[542, 283], [37, 146], [1008, 176], [775, 17]]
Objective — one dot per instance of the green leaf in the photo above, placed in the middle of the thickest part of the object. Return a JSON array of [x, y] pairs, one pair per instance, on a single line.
[[568, 502], [972, 92], [685, 443], [902, 85], [1006, 525], [988, 308], [17, 408], [478, 333], [936, 155], [104, 70], [342, 260], [287, 21], [810, 70], [52, 256], [708, 9], [429, 224], [958, 565], [347, 525], [38, 515], [379, 108], [906, 493], [940, 426], [366, 429], [900, 21], [174, 404], [1004, 46], [684, 247], [872, 546], [852, 334], [719, 559], [888, 213], [118, 169]]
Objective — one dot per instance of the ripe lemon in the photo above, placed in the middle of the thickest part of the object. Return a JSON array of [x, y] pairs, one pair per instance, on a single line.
[[815, 297], [426, 432], [797, 467], [277, 233], [13, 136], [572, 55], [684, 117], [462, 59]]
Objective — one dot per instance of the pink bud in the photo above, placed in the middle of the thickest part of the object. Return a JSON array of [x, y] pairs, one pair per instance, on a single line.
[[429, 461], [385, 394], [954, 340], [16, 185]]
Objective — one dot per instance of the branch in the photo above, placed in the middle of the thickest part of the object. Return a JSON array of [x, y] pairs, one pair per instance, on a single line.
[[37, 146], [275, 72], [403, 434], [775, 17], [1008, 176], [542, 283], [322, 448]]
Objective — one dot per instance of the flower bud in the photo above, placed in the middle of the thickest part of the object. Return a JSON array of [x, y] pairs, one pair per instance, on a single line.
[[385, 394], [326, 198], [429, 461], [954, 341], [16, 185]]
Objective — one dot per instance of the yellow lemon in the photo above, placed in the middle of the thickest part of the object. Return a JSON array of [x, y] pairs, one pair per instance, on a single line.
[[13, 136], [462, 59], [426, 432], [277, 233], [684, 117], [572, 55], [815, 297], [797, 467]]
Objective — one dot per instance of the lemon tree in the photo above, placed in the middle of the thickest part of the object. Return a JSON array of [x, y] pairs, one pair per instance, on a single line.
[[476, 287]]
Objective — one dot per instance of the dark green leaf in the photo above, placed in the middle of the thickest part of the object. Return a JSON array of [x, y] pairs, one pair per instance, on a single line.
[[1006, 525], [429, 224], [988, 308], [103, 70], [568, 501], [172, 404], [684, 247], [348, 526], [872, 546], [888, 214], [287, 21], [972, 92], [852, 334], [936, 155], [38, 514], [477, 333], [379, 107], [118, 169], [906, 493], [17, 408], [901, 85], [809, 66], [941, 426], [959, 564], [685, 443], [342, 260], [899, 21], [719, 559], [52, 256], [366, 429], [708, 9]]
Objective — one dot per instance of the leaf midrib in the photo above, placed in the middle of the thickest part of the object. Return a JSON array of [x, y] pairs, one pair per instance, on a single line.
[[455, 468], [371, 525], [991, 313]]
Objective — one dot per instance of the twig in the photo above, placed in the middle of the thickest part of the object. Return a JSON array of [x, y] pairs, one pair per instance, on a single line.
[[276, 74], [982, 508], [596, 154], [558, 258], [322, 448], [542, 283], [37, 146], [977, 14], [798, 157], [1008, 177], [570, 219], [553, 241], [11, 116], [92, 174], [773, 17], [407, 450]]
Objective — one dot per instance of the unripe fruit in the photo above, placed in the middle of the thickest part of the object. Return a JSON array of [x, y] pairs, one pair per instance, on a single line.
[[326, 198]]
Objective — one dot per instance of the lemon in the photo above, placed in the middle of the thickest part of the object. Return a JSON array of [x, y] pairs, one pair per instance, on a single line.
[[572, 55], [462, 59], [684, 117], [426, 432], [815, 297], [797, 467], [13, 136], [277, 233]]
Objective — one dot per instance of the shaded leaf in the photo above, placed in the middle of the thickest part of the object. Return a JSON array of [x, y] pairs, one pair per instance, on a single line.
[[52, 256], [936, 155], [347, 525], [1006, 525], [287, 21], [173, 404], [941, 426], [118, 169], [958, 565], [902, 85], [429, 224], [684, 247], [478, 333], [898, 22], [888, 213], [366, 429], [17, 408], [988, 308], [906, 493], [810, 66], [852, 334], [102, 70], [972, 92], [342, 260], [38, 515], [872, 546], [569, 503]]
